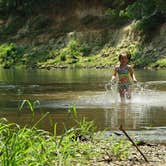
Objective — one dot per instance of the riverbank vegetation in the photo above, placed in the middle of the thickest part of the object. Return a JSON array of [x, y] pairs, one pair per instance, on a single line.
[[33, 146], [81, 34], [80, 144]]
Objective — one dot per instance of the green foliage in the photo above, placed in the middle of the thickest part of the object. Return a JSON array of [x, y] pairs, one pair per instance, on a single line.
[[150, 15], [31, 146], [25, 146], [137, 59], [30, 105], [113, 12], [32, 56], [10, 54], [35, 55], [72, 111], [140, 9], [84, 129], [119, 148], [63, 57], [73, 51], [85, 49], [160, 63], [141, 62], [74, 45]]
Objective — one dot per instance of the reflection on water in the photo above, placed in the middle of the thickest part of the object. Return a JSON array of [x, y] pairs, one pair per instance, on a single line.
[[58, 89]]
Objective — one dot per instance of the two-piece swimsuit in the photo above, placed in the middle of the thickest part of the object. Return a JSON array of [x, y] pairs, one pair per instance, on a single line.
[[124, 81]]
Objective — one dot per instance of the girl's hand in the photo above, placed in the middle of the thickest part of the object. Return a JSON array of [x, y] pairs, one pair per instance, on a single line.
[[135, 81]]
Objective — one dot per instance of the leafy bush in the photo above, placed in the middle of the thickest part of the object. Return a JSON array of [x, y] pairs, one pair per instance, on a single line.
[[140, 9], [10, 54], [150, 15], [63, 57], [160, 63], [73, 50], [35, 55], [85, 49]]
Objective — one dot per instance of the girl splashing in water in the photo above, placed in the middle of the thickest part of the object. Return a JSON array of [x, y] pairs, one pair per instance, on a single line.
[[125, 73]]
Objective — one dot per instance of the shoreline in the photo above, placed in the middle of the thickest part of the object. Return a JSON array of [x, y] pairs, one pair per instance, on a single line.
[[63, 67], [154, 153]]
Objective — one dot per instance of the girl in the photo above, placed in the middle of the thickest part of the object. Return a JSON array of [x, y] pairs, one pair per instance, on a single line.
[[124, 72]]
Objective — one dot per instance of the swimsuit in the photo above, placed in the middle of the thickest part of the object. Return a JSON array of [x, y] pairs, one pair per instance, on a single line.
[[124, 81]]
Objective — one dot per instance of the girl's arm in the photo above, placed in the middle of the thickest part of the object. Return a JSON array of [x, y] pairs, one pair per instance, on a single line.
[[114, 74], [132, 74]]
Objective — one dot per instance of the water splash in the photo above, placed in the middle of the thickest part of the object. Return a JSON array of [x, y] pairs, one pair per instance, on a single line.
[[111, 91], [141, 95]]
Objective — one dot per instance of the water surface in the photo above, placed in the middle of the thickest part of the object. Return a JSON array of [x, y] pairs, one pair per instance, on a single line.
[[57, 90]]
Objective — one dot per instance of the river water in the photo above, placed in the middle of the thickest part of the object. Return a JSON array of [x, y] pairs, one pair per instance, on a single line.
[[89, 91]]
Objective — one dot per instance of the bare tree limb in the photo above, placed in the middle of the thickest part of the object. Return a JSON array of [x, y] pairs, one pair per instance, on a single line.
[[121, 128]]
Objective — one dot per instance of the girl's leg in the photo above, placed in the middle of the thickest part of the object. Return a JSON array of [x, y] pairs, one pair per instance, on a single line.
[[128, 93], [122, 95]]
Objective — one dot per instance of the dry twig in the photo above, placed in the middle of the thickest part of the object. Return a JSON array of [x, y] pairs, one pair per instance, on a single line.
[[121, 128]]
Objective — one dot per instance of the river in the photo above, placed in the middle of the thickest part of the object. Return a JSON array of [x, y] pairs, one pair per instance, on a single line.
[[58, 90]]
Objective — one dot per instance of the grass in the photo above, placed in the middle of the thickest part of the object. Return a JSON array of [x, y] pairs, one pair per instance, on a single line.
[[79, 144], [31, 146]]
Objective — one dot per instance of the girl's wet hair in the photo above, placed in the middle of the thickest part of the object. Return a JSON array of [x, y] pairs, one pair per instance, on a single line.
[[125, 54]]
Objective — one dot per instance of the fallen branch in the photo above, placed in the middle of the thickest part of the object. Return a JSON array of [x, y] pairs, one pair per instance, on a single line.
[[108, 159], [121, 128]]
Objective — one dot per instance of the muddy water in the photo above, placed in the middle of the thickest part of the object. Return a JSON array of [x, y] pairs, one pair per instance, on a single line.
[[57, 90]]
